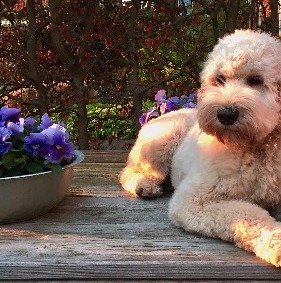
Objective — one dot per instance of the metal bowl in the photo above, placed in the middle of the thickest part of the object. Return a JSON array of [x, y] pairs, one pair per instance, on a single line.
[[28, 196]]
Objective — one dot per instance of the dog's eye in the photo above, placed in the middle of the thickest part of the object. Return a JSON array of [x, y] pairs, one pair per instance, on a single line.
[[220, 80], [254, 80]]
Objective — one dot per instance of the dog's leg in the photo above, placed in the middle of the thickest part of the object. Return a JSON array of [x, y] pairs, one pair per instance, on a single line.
[[246, 224], [150, 158]]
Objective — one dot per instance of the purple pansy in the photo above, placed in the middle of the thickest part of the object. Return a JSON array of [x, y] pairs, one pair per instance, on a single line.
[[4, 144], [184, 97], [189, 105], [9, 114], [37, 144], [29, 122], [174, 99], [193, 96], [151, 113], [163, 108], [50, 131], [165, 105], [33, 151], [190, 100], [61, 147], [16, 128], [170, 106], [142, 119], [160, 96], [172, 103], [46, 122]]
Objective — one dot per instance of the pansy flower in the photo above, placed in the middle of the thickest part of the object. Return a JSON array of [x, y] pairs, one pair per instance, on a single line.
[[29, 121], [150, 114], [37, 144], [51, 130], [46, 122], [165, 105], [5, 145], [9, 114], [160, 97], [16, 128], [193, 96], [189, 105], [163, 108], [190, 100], [172, 103], [60, 146], [33, 148]]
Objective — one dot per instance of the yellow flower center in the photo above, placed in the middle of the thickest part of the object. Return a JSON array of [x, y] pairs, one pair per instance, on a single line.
[[58, 147]]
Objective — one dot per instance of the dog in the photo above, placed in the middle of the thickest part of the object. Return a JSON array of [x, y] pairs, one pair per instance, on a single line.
[[224, 158]]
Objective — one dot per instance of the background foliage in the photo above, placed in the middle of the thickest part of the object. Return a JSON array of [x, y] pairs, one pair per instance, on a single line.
[[94, 63]]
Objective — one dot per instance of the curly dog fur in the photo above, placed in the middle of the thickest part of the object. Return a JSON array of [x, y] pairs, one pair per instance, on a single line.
[[225, 157]]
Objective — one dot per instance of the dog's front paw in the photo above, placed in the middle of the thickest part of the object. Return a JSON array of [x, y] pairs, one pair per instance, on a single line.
[[145, 189], [137, 184]]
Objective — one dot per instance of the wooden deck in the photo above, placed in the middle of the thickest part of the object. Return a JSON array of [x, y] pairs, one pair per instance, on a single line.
[[101, 233]]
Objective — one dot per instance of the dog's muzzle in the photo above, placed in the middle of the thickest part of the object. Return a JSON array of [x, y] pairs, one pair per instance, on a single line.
[[227, 116]]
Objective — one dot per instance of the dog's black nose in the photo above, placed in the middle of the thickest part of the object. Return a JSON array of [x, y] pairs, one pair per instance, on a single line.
[[227, 115]]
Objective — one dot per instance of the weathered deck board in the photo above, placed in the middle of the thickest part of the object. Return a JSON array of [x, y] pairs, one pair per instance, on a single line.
[[100, 232]]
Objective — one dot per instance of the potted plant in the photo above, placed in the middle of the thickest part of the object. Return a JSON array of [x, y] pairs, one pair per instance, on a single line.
[[36, 163]]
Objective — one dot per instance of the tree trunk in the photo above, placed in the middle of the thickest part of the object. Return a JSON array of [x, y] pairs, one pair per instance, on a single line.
[[33, 68], [137, 101], [133, 49], [231, 8], [271, 23], [82, 117], [76, 73]]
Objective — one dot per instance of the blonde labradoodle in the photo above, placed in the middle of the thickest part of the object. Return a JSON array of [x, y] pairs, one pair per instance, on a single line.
[[224, 158]]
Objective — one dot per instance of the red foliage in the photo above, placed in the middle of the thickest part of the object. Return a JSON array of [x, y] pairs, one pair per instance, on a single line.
[[103, 43]]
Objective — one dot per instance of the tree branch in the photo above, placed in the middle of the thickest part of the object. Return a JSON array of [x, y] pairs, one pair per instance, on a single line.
[[66, 57]]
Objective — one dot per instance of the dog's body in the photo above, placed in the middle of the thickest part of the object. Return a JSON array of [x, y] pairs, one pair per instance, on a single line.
[[225, 157]]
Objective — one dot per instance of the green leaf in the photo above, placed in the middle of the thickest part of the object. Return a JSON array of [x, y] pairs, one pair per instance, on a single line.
[[21, 159], [34, 167], [8, 160], [35, 127], [56, 168]]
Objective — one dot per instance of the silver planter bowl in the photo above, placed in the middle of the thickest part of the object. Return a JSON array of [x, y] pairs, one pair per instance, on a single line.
[[28, 196]]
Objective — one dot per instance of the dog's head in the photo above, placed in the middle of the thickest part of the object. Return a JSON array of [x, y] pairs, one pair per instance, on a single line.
[[239, 100]]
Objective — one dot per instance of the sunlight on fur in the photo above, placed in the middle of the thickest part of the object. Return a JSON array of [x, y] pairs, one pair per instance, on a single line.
[[205, 139], [134, 179], [146, 167], [131, 183], [263, 241], [155, 131]]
